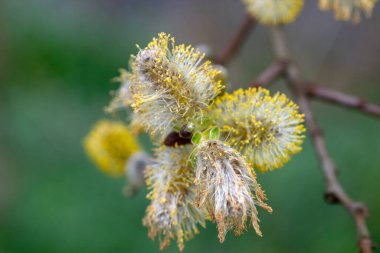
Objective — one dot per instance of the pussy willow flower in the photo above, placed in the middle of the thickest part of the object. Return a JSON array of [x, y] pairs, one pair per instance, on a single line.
[[109, 145], [349, 10], [274, 12], [266, 129], [172, 213], [170, 85], [224, 182]]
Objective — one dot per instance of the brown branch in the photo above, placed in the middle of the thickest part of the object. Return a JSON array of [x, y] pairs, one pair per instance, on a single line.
[[237, 41], [334, 191], [269, 74], [277, 69], [336, 97]]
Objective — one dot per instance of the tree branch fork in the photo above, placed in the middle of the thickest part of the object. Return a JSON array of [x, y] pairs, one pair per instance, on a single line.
[[313, 90]]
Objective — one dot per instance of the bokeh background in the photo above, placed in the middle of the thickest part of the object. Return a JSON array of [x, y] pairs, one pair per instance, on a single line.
[[57, 59]]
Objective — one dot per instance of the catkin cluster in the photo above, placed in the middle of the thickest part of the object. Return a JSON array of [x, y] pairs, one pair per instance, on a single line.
[[349, 10], [282, 12], [208, 173]]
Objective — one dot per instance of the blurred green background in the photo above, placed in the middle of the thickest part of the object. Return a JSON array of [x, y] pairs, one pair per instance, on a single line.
[[57, 59]]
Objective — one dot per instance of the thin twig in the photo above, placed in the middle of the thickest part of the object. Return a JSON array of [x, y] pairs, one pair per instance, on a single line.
[[277, 69], [334, 191], [339, 98], [233, 47], [271, 73]]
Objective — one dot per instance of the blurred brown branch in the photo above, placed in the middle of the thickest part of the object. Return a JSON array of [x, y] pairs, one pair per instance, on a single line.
[[339, 98], [277, 69], [271, 73], [334, 191], [235, 44]]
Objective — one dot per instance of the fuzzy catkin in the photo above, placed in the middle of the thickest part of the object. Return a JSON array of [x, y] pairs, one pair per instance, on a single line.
[[224, 182]]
